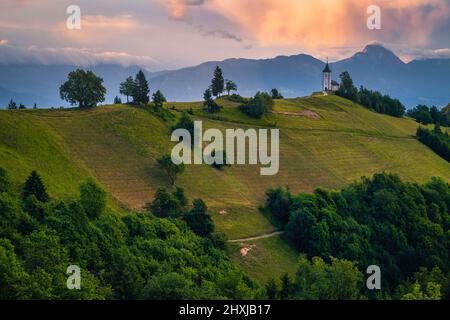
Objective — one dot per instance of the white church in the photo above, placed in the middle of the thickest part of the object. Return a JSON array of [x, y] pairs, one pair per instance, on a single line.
[[329, 85]]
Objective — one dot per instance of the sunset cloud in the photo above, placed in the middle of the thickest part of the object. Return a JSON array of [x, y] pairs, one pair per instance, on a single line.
[[221, 29], [335, 23]]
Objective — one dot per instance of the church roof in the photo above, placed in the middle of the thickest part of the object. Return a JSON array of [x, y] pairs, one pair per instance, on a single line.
[[327, 68], [334, 83]]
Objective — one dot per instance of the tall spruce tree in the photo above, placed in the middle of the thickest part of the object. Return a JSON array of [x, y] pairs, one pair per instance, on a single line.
[[218, 82], [141, 89], [34, 186]]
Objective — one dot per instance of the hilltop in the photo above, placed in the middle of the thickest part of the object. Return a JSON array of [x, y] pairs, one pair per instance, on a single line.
[[324, 142]]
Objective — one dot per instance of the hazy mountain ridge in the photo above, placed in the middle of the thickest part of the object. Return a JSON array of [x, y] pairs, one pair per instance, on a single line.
[[419, 81]]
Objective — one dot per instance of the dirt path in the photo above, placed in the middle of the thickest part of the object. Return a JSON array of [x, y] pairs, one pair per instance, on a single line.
[[264, 236]]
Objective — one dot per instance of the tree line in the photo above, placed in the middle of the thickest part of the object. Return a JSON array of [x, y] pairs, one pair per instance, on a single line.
[[430, 115], [372, 100], [401, 227], [437, 140], [85, 89]]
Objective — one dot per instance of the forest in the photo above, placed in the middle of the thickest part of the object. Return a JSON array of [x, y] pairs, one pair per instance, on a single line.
[[399, 226], [136, 256], [172, 251]]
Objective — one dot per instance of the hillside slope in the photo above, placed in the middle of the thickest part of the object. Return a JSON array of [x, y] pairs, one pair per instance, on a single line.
[[324, 142]]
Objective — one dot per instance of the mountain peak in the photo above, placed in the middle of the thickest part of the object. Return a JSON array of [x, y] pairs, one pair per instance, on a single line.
[[377, 53]]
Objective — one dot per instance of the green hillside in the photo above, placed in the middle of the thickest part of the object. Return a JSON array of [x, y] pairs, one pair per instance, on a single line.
[[324, 142]]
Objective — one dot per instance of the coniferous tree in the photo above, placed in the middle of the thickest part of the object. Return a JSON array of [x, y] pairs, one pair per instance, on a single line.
[[141, 89], [117, 100], [272, 290], [34, 186], [218, 82]]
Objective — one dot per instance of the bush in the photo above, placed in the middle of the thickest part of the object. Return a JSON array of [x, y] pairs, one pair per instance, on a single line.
[[258, 106], [165, 204]]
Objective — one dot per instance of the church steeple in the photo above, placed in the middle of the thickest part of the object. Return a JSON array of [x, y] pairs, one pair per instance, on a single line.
[[327, 68], [327, 78]]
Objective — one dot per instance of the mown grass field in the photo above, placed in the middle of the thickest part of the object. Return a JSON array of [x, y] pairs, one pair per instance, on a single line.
[[324, 142]]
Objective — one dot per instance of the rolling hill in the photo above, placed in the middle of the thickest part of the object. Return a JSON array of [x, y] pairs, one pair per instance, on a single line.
[[375, 67], [324, 142]]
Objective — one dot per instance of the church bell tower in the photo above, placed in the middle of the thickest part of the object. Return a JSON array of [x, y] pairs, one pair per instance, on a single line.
[[327, 78]]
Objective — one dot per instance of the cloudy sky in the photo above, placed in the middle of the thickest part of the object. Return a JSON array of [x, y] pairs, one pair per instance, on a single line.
[[167, 34]]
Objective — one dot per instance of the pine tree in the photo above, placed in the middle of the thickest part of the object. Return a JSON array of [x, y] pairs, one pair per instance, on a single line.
[[218, 83], [34, 186], [117, 100], [141, 89]]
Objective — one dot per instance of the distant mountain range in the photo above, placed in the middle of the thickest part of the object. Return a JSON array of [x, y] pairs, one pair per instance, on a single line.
[[420, 81]]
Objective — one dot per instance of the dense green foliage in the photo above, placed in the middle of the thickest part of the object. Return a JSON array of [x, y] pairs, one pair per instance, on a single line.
[[425, 115], [437, 140], [137, 256], [319, 280], [259, 105], [92, 198], [383, 221], [372, 100], [83, 88]]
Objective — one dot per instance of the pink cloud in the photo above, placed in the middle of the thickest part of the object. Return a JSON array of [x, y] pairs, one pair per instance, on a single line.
[[312, 24]]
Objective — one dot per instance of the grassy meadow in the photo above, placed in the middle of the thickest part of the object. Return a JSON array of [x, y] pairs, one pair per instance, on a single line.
[[324, 142]]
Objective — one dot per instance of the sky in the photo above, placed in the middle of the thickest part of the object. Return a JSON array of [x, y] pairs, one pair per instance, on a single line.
[[169, 34]]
